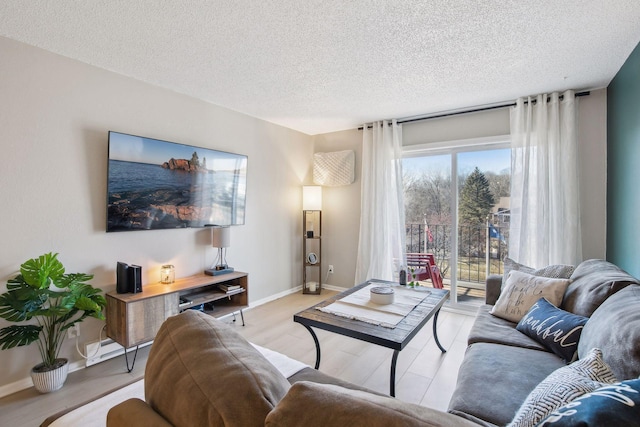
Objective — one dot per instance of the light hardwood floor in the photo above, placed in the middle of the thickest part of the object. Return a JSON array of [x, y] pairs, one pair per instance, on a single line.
[[424, 375]]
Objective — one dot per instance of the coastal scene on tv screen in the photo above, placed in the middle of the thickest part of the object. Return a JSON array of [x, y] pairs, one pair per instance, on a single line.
[[154, 184]]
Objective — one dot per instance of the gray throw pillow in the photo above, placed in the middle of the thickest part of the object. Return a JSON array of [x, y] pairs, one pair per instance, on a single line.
[[592, 282], [559, 271], [615, 328]]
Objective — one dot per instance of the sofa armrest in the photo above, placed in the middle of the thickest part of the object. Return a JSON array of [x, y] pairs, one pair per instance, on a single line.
[[494, 286], [318, 405], [135, 412]]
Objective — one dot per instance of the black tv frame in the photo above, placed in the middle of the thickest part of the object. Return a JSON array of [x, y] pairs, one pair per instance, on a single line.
[[148, 188]]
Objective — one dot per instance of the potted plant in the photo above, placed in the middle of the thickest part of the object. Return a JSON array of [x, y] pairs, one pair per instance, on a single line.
[[56, 301], [412, 283]]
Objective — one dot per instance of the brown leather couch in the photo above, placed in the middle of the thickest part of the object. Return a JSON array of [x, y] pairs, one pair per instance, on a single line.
[[200, 372]]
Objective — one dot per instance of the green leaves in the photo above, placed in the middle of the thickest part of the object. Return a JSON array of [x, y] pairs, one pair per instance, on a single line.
[[73, 280], [476, 199], [16, 336], [42, 271], [89, 300], [29, 296], [21, 302]]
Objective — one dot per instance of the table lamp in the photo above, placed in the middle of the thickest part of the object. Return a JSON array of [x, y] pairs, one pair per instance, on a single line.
[[221, 239], [167, 274]]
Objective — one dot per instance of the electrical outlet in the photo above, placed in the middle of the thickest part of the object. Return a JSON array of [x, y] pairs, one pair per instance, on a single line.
[[330, 269], [74, 331]]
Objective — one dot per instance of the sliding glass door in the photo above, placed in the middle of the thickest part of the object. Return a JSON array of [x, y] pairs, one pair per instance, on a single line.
[[457, 208]]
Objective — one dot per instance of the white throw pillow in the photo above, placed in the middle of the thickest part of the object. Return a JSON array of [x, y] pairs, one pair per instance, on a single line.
[[522, 290], [563, 386]]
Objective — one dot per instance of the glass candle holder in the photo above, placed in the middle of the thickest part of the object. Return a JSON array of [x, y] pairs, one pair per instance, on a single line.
[[167, 274]]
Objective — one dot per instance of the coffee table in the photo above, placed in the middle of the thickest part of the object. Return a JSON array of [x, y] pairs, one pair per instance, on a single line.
[[395, 339]]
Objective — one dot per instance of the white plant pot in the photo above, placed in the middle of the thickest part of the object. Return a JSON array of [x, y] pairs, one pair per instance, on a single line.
[[48, 381]]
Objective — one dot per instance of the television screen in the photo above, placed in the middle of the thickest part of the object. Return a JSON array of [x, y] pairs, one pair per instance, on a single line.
[[154, 184]]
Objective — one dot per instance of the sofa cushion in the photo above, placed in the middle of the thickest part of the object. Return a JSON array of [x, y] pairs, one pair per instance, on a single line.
[[201, 369], [592, 282], [559, 271], [495, 379], [522, 290], [315, 376], [492, 329], [131, 412], [556, 329], [493, 286], [615, 329], [612, 405], [318, 405], [562, 386]]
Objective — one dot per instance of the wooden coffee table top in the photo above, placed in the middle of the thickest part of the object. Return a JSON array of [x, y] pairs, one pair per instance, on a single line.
[[396, 338]]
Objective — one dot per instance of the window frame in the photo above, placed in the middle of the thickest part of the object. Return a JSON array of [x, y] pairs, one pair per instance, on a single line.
[[453, 149]]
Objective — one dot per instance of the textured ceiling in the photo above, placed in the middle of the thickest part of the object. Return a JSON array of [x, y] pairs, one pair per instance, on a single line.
[[322, 66]]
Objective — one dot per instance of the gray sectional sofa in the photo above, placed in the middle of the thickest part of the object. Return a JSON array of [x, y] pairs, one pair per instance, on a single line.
[[502, 365]]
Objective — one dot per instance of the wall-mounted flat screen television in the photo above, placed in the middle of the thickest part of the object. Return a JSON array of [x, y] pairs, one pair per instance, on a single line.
[[154, 184]]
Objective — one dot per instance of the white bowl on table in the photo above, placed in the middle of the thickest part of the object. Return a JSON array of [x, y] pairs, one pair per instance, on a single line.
[[382, 295]]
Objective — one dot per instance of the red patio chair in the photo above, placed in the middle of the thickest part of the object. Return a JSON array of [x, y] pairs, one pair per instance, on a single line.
[[425, 268]]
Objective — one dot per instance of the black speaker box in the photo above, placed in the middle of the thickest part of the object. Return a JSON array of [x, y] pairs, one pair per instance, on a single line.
[[122, 284], [135, 279]]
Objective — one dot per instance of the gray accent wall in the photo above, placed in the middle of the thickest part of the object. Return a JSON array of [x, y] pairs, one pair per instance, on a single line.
[[623, 166]]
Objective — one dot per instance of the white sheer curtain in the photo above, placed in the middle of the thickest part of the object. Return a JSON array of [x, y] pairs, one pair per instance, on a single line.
[[381, 242], [545, 203]]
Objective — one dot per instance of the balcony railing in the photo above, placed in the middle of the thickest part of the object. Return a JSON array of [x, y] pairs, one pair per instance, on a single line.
[[481, 249]]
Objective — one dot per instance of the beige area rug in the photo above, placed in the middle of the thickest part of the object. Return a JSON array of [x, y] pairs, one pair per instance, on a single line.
[[94, 413]]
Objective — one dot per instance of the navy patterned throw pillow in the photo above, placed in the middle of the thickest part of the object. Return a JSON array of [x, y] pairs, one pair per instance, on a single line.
[[562, 386], [556, 329], [609, 406]]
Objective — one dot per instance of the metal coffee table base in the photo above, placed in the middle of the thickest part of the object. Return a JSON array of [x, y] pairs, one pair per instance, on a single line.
[[394, 359]]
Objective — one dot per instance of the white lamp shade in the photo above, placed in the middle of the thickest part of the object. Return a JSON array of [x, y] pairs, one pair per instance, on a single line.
[[220, 237], [311, 198]]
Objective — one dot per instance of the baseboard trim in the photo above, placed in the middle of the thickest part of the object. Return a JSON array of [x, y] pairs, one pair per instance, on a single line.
[[274, 297], [334, 288], [25, 383], [292, 291]]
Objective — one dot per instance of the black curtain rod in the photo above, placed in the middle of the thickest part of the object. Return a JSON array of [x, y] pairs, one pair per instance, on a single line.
[[473, 110]]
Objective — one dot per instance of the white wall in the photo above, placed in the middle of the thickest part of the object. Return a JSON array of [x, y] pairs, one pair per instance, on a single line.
[[341, 205], [453, 128], [54, 117], [340, 212], [592, 137]]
